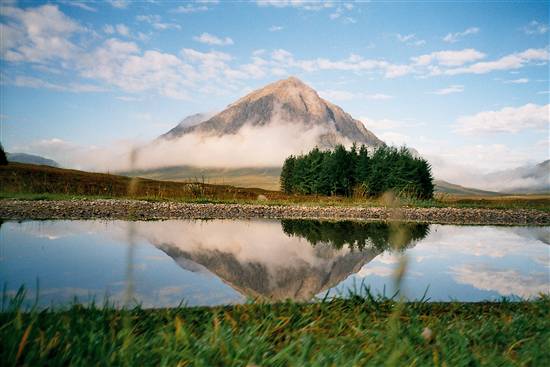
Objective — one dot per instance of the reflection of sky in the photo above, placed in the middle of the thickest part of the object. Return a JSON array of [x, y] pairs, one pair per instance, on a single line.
[[89, 258], [85, 258], [466, 263]]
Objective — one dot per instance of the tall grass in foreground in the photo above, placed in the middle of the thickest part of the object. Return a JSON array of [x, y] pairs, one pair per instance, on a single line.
[[359, 330]]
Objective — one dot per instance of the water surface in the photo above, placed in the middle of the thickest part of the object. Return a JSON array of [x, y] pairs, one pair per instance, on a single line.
[[212, 262]]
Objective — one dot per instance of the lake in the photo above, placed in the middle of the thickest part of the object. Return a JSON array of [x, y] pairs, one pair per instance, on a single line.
[[214, 262]]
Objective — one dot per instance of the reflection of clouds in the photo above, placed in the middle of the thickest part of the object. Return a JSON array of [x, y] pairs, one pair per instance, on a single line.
[[248, 241], [57, 229], [494, 242], [387, 258], [505, 282], [543, 259], [374, 270]]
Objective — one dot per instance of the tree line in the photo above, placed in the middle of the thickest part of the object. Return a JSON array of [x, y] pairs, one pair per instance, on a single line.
[[357, 235], [357, 172]]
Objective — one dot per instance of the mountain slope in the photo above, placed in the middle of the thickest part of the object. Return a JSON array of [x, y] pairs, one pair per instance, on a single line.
[[450, 188], [287, 101], [31, 159], [187, 122]]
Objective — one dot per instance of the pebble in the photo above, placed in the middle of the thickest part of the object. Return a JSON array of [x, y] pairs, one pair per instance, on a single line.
[[134, 209]]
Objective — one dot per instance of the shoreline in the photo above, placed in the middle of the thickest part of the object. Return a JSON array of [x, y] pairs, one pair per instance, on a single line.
[[113, 209]]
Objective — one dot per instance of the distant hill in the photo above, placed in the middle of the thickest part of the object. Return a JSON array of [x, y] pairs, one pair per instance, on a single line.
[[261, 177], [450, 188], [31, 159]]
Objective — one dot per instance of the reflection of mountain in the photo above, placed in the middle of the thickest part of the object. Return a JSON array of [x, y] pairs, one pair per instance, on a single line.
[[299, 281], [259, 260]]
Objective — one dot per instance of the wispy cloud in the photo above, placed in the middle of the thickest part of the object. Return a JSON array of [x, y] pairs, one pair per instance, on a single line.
[[78, 4], [312, 5], [275, 28], [509, 62], [506, 120], [119, 4], [534, 28], [210, 39], [449, 58], [190, 8], [517, 81], [449, 90], [410, 39], [455, 37], [156, 22], [342, 95], [32, 82]]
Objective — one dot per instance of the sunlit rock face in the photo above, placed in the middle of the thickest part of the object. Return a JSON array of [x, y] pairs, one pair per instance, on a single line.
[[285, 102], [257, 260]]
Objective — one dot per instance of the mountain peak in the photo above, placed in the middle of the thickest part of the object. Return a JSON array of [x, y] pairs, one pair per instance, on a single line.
[[287, 101]]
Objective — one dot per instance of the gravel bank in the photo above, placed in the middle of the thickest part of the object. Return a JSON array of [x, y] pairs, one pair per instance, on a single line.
[[143, 210]]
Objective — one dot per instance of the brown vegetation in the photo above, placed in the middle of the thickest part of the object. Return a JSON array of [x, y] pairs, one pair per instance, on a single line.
[[28, 178]]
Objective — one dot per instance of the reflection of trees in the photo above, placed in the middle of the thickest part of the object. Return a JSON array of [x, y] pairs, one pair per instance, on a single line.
[[381, 235]]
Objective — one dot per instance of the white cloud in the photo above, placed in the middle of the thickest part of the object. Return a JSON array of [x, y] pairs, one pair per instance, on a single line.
[[342, 95], [455, 37], [78, 4], [190, 8], [517, 81], [313, 5], [122, 30], [394, 138], [341, 14], [535, 27], [506, 282], [508, 119], [210, 39], [449, 58], [109, 29], [509, 62], [156, 22], [37, 34], [380, 271], [119, 4], [410, 39], [450, 89], [275, 28], [32, 82]]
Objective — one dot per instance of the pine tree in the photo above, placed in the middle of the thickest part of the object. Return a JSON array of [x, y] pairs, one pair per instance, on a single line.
[[287, 174], [3, 157]]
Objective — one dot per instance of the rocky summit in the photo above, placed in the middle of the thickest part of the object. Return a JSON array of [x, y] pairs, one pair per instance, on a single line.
[[287, 101]]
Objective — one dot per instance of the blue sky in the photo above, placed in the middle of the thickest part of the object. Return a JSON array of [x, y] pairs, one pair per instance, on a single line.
[[462, 83]]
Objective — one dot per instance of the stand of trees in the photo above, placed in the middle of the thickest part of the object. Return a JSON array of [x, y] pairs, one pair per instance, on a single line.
[[357, 235], [356, 171]]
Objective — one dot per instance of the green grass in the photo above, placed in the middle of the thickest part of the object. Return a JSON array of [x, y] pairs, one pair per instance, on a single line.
[[341, 332]]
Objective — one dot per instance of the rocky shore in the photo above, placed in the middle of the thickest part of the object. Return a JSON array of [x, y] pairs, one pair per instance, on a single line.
[[143, 210]]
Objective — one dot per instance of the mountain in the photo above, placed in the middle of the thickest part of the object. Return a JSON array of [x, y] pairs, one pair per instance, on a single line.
[[285, 101], [450, 188], [528, 179], [187, 122], [31, 159]]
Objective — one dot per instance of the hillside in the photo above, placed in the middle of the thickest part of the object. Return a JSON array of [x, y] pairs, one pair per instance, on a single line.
[[450, 188], [31, 159], [29, 178]]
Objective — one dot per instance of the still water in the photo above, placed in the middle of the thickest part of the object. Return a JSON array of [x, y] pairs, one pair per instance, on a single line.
[[212, 262]]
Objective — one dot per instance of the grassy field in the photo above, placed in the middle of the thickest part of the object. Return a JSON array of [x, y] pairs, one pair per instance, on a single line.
[[352, 332], [32, 182]]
